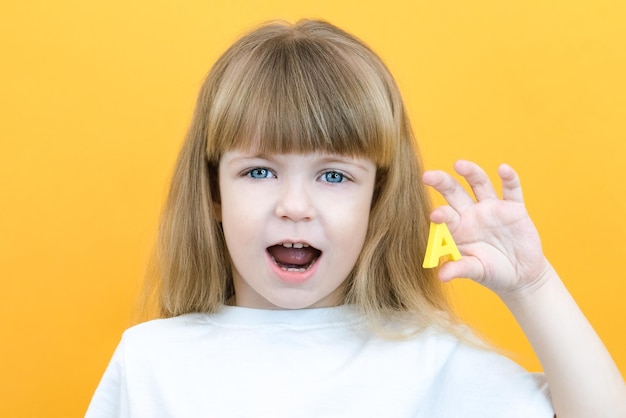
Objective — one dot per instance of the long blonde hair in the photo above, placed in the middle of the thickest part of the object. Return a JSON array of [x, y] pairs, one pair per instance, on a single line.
[[287, 88]]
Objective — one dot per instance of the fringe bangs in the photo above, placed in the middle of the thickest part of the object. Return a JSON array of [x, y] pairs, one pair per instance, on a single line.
[[296, 95]]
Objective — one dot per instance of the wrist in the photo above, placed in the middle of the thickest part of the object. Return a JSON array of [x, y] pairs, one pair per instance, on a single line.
[[530, 291]]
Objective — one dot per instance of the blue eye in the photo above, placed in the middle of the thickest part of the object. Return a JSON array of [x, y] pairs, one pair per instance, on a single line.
[[333, 177], [260, 173]]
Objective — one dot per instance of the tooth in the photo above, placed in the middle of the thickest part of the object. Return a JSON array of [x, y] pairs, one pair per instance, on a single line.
[[287, 244], [298, 245]]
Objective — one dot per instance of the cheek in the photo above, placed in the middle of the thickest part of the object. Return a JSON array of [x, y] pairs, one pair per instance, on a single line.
[[353, 226], [362, 218], [244, 219], [235, 220]]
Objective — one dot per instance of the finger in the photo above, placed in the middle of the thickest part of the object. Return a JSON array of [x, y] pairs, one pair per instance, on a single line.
[[447, 215], [511, 186], [477, 179], [449, 188], [467, 267]]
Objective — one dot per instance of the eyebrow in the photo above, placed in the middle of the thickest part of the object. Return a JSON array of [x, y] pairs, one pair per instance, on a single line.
[[343, 160], [244, 157], [323, 159]]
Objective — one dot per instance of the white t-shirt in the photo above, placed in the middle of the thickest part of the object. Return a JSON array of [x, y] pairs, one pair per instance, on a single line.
[[306, 363]]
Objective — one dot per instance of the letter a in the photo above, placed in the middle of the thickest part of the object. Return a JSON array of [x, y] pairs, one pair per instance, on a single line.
[[440, 244]]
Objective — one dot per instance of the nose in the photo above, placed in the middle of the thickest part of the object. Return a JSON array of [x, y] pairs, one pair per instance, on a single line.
[[295, 202]]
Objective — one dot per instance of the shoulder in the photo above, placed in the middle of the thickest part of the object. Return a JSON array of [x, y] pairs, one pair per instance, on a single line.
[[463, 359], [484, 380], [173, 324], [157, 332]]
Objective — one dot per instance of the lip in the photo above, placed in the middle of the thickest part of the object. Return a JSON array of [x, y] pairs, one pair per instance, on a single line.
[[293, 241], [292, 277]]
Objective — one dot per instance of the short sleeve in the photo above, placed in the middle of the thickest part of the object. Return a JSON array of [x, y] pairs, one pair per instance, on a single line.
[[477, 383], [110, 399]]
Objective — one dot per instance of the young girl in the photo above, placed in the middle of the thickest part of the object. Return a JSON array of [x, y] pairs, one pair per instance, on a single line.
[[290, 252]]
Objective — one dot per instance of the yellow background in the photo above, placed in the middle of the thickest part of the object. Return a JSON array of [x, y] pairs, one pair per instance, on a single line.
[[96, 97]]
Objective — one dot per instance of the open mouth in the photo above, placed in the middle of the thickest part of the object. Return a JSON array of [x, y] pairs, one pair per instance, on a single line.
[[295, 257]]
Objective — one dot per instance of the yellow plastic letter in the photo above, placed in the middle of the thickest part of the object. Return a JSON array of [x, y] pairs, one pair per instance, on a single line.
[[440, 244]]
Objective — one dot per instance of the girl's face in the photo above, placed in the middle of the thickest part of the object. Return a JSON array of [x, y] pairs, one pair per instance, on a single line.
[[294, 225]]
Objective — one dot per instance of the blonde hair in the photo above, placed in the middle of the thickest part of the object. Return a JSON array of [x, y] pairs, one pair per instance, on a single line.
[[297, 88]]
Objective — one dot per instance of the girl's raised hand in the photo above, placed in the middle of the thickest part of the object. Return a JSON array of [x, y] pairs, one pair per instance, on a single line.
[[498, 241]]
